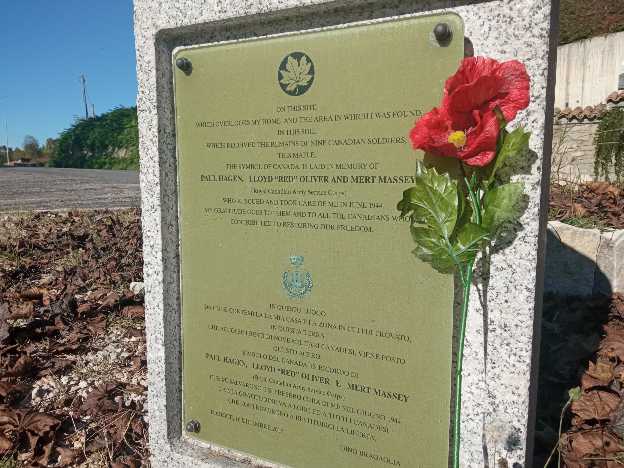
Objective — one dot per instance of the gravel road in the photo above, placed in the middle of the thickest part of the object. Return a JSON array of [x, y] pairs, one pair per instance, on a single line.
[[39, 188]]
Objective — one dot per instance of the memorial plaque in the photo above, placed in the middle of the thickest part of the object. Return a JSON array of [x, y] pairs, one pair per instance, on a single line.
[[311, 336]]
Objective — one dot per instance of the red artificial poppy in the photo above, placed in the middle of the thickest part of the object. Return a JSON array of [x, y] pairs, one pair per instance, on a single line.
[[475, 146], [466, 126], [485, 84]]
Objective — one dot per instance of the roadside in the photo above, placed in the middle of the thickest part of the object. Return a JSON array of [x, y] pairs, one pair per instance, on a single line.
[[38, 189]]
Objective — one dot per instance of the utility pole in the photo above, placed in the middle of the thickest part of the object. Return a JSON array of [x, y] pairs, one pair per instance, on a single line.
[[83, 82], [6, 128], [92, 110]]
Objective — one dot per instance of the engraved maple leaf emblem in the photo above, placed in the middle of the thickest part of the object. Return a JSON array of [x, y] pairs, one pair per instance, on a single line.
[[296, 74]]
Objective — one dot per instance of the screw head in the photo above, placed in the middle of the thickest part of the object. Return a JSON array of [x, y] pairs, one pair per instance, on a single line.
[[185, 65], [442, 32], [193, 426]]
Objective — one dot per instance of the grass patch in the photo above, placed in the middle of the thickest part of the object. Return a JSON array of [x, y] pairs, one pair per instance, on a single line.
[[586, 222], [8, 462]]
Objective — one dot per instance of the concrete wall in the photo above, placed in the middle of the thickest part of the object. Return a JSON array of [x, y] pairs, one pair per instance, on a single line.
[[573, 151], [587, 71]]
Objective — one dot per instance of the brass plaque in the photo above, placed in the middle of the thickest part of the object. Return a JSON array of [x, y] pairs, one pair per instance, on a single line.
[[311, 336]]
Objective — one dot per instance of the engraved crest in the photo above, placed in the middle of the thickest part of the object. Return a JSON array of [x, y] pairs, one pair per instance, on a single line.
[[296, 73], [297, 282]]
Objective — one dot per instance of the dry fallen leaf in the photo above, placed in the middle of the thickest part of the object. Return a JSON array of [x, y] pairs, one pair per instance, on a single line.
[[134, 311], [97, 325], [20, 367], [4, 326], [602, 370], [68, 456], [5, 445], [596, 404], [593, 443], [64, 290], [23, 310]]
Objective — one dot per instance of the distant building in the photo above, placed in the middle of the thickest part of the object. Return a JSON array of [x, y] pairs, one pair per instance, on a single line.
[[23, 163]]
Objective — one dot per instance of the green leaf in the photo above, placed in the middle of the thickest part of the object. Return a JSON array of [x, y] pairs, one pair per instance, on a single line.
[[433, 249], [434, 200], [470, 239], [514, 143], [404, 205], [443, 255], [501, 205], [433, 205]]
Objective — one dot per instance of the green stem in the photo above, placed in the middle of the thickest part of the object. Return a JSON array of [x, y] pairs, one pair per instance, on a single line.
[[556, 448], [460, 357], [466, 277], [474, 201]]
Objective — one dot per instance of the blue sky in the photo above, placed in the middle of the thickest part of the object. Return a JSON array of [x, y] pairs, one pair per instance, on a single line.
[[44, 47]]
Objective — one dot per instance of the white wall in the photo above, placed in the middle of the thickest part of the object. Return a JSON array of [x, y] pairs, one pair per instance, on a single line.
[[587, 71]]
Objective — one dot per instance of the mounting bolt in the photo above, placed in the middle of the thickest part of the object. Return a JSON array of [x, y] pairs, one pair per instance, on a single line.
[[443, 33], [185, 65], [193, 426]]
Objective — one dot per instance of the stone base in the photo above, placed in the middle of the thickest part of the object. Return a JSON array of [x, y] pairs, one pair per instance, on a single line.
[[583, 262]]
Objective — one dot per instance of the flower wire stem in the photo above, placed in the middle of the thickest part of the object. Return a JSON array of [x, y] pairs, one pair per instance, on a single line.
[[458, 369], [466, 277]]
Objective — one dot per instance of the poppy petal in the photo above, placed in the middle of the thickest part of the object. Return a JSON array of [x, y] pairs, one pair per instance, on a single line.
[[481, 160], [473, 95], [431, 133], [470, 69], [515, 88], [482, 138]]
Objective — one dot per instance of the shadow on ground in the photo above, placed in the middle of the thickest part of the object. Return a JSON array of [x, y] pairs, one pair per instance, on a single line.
[[572, 326]]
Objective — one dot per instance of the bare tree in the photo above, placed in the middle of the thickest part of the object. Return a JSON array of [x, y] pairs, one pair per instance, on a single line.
[[31, 147]]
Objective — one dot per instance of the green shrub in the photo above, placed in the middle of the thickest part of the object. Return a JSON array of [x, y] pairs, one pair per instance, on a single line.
[[589, 18], [609, 143], [108, 141]]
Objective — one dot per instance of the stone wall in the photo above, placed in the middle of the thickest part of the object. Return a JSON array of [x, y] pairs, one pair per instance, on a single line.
[[573, 151]]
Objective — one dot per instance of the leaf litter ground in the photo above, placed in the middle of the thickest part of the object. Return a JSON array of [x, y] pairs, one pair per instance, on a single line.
[[72, 344], [582, 346], [588, 205], [72, 351]]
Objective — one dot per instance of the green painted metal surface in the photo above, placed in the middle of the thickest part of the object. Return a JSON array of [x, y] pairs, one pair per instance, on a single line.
[[311, 336]]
